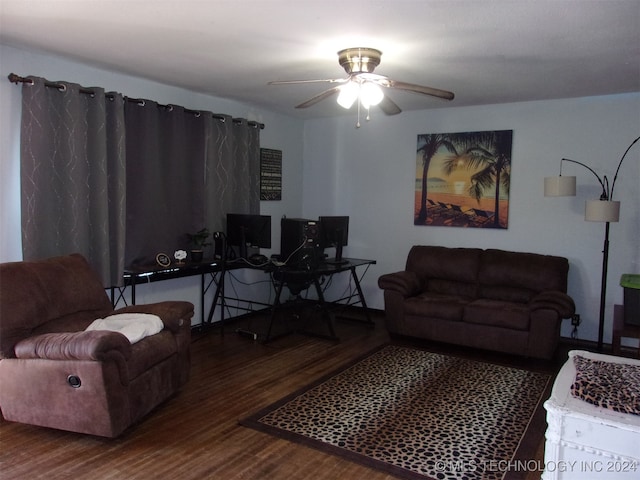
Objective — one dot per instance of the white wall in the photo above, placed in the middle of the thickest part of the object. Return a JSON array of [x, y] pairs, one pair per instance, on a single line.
[[329, 167], [368, 174], [280, 133]]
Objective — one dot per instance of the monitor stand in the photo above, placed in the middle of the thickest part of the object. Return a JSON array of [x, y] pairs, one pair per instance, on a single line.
[[242, 249], [338, 260]]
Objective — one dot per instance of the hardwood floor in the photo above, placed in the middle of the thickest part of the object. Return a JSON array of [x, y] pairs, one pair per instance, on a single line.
[[195, 435]]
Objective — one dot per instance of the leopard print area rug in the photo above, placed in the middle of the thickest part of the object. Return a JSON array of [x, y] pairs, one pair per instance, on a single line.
[[418, 415]]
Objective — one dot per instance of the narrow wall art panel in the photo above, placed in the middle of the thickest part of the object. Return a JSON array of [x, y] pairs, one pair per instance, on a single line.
[[270, 174], [463, 179]]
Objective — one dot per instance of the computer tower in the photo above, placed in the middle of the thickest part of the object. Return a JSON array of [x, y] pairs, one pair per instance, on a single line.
[[300, 243]]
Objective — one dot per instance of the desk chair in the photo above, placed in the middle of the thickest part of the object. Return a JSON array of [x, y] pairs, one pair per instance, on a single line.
[[297, 281]]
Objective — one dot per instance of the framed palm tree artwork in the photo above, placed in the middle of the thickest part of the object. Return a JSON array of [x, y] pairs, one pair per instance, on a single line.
[[463, 179]]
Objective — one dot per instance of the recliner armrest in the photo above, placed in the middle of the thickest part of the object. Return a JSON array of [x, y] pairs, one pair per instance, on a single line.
[[174, 314], [554, 300], [92, 345], [406, 283]]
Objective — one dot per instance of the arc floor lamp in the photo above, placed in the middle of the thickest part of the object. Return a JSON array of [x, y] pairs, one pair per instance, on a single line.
[[605, 209]]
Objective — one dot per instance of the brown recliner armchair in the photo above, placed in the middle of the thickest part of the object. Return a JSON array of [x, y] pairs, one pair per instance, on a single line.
[[54, 373]]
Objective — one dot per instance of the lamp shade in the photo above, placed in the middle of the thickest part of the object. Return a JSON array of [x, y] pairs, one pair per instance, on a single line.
[[559, 186], [370, 94], [348, 94], [602, 211]]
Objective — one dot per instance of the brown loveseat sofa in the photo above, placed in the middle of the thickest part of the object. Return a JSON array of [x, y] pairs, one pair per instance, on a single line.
[[491, 299], [55, 374]]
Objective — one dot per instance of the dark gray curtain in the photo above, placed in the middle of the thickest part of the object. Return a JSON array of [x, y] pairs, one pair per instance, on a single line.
[[232, 169], [73, 175], [165, 174], [185, 169], [123, 180]]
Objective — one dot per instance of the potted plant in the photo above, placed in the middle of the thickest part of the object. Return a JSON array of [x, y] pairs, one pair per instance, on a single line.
[[199, 241]]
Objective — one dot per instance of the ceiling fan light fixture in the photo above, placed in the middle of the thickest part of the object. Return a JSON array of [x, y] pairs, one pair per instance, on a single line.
[[370, 94], [348, 94], [359, 60], [364, 86]]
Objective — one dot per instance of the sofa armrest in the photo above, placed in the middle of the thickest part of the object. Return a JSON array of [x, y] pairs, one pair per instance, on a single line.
[[406, 283], [174, 314], [554, 300], [91, 345]]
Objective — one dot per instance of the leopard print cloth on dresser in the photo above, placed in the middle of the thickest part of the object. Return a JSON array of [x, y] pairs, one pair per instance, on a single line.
[[615, 386], [430, 415]]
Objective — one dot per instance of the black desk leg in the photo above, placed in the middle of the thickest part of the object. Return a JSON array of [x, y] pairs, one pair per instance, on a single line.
[[354, 275], [326, 311], [202, 299], [218, 296], [274, 308], [115, 300]]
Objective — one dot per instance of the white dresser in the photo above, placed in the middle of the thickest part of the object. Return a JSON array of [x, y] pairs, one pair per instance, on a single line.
[[584, 441]]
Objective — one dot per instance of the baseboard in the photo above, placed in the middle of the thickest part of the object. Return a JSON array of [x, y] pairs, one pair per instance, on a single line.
[[607, 348], [584, 344]]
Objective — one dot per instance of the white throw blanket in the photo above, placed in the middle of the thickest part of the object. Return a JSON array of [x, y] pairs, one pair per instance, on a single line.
[[134, 326]]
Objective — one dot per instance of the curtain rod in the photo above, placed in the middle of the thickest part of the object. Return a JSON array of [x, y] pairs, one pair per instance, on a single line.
[[13, 78]]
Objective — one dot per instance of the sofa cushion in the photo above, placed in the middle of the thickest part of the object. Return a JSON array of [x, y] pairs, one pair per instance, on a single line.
[[506, 294], [453, 264], [453, 288], [497, 313], [435, 305], [525, 271]]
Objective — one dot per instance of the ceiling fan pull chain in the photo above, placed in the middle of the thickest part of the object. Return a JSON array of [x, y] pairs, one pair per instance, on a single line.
[[358, 122]]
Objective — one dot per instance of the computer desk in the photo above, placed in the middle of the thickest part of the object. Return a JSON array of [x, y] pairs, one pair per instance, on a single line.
[[211, 275], [282, 276]]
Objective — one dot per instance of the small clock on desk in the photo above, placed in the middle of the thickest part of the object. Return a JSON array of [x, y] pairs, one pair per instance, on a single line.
[[163, 260]]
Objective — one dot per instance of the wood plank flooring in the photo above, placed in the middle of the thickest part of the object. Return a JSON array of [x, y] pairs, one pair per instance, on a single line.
[[195, 435]]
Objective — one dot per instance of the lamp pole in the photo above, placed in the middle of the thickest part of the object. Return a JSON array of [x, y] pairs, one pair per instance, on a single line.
[[600, 215], [603, 288], [605, 252]]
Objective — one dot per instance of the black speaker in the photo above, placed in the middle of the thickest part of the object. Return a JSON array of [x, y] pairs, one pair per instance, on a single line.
[[300, 243], [218, 242]]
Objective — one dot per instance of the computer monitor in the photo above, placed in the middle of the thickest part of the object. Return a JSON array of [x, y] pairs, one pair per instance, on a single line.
[[335, 233], [246, 230]]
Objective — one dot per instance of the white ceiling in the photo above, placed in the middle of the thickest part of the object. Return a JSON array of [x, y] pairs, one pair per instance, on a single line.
[[486, 51]]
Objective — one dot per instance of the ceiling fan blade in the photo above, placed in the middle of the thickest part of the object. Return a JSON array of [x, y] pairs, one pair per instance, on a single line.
[[328, 80], [388, 106], [318, 98], [410, 87]]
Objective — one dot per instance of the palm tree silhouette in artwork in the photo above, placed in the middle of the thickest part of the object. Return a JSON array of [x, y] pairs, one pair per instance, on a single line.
[[490, 152], [431, 143]]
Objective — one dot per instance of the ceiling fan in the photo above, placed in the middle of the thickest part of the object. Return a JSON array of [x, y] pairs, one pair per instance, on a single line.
[[363, 85]]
